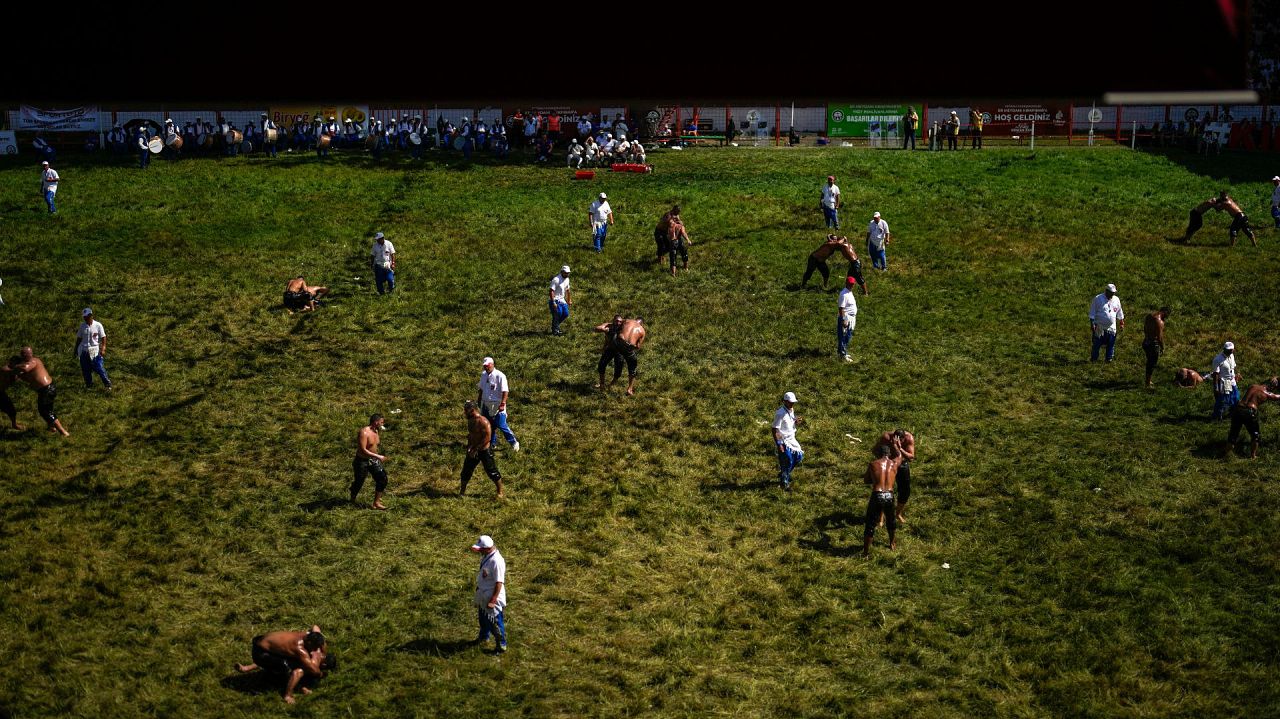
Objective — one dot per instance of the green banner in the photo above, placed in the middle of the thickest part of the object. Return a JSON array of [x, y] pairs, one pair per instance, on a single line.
[[866, 120]]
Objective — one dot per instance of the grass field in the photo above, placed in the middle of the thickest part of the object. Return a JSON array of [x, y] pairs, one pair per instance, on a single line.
[[1104, 560]]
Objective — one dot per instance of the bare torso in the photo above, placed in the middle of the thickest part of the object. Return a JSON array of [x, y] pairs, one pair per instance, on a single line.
[[285, 644], [908, 445], [882, 473], [367, 443], [1230, 206], [1188, 378], [1153, 328], [296, 285], [478, 434], [1256, 395], [632, 333], [826, 248], [34, 373]]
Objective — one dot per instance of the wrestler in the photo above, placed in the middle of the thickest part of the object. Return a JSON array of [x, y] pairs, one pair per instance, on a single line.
[[1188, 378], [479, 433], [818, 259], [622, 342], [300, 296], [855, 266], [8, 377], [906, 443], [1239, 221], [368, 461], [1197, 217], [880, 476], [292, 655], [1153, 339], [1245, 413], [31, 369], [662, 233]]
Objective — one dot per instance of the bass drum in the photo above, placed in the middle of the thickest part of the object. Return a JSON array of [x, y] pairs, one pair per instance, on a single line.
[[323, 142], [207, 142], [234, 137], [273, 135], [174, 141], [459, 142], [155, 145], [371, 141], [415, 138], [246, 147]]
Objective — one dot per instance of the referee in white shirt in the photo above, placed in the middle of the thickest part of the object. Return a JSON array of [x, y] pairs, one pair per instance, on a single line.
[[91, 349], [49, 185]]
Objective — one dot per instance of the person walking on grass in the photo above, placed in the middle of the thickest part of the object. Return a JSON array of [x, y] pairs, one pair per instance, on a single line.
[[1245, 414], [623, 339], [905, 444], [831, 203], [30, 369], [491, 594], [790, 453], [560, 300], [599, 217], [1106, 318], [678, 241], [1153, 339], [1225, 388], [878, 236], [368, 461], [1275, 200], [91, 349], [384, 263], [49, 185], [881, 474], [298, 658], [479, 433], [846, 318], [492, 399]]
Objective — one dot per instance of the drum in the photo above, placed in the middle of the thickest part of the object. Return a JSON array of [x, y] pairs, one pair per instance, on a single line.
[[273, 135], [323, 141], [234, 137], [207, 142], [174, 142], [371, 141], [415, 138], [458, 142], [155, 145], [246, 147]]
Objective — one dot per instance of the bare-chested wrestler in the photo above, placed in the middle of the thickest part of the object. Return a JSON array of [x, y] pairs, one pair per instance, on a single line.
[[301, 297], [855, 266], [1197, 217], [907, 444], [1239, 221], [1153, 339], [880, 476], [299, 657], [479, 432], [622, 341], [1245, 413], [8, 377], [30, 369], [368, 461], [818, 259], [1187, 378], [662, 233]]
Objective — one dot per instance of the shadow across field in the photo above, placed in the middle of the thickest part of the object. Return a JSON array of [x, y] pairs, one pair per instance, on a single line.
[[435, 647], [253, 683], [740, 487]]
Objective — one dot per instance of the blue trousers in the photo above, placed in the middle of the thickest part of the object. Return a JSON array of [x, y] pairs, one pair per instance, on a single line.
[[1222, 403], [1108, 340], [271, 148], [466, 148], [878, 259], [382, 275], [788, 459], [89, 367], [599, 234], [48, 198], [833, 219], [843, 335], [499, 423], [559, 313], [496, 626], [144, 158], [1275, 215]]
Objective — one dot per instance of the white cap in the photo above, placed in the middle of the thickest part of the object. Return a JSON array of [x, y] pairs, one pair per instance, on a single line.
[[45, 162], [487, 361], [875, 215], [565, 269], [953, 112], [1111, 288], [1228, 346], [88, 312], [484, 542], [378, 235], [789, 397], [603, 196], [1276, 178]]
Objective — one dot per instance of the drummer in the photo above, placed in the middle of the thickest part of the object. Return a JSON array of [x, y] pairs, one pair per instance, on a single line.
[[349, 135], [170, 133], [117, 140], [267, 125], [482, 135], [402, 139], [252, 136], [140, 138], [416, 129], [318, 129]]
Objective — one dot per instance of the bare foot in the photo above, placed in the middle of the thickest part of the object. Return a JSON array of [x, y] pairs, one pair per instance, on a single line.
[[631, 393], [902, 519], [893, 544], [379, 506], [18, 427], [288, 698], [306, 690], [501, 495], [245, 668], [881, 524]]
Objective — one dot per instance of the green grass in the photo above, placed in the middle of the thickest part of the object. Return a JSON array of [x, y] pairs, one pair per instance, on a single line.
[[1103, 561]]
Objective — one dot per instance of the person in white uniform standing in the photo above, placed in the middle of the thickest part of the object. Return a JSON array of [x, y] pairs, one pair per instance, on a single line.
[[1106, 318], [49, 185], [91, 349]]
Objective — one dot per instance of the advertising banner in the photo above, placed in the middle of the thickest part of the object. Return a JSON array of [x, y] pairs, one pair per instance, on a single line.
[[1016, 119], [8, 143], [284, 116], [568, 115], [80, 119], [864, 120]]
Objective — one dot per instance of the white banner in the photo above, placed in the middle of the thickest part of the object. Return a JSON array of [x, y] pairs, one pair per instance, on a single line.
[[80, 119], [8, 143]]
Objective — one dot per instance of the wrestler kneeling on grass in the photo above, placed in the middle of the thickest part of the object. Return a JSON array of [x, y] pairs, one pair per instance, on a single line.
[[301, 297], [300, 658]]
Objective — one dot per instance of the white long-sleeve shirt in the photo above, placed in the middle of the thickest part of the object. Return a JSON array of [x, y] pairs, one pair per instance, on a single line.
[[1104, 312]]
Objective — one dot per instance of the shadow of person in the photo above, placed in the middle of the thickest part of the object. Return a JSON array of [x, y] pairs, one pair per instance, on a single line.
[[326, 504], [254, 683], [435, 647]]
